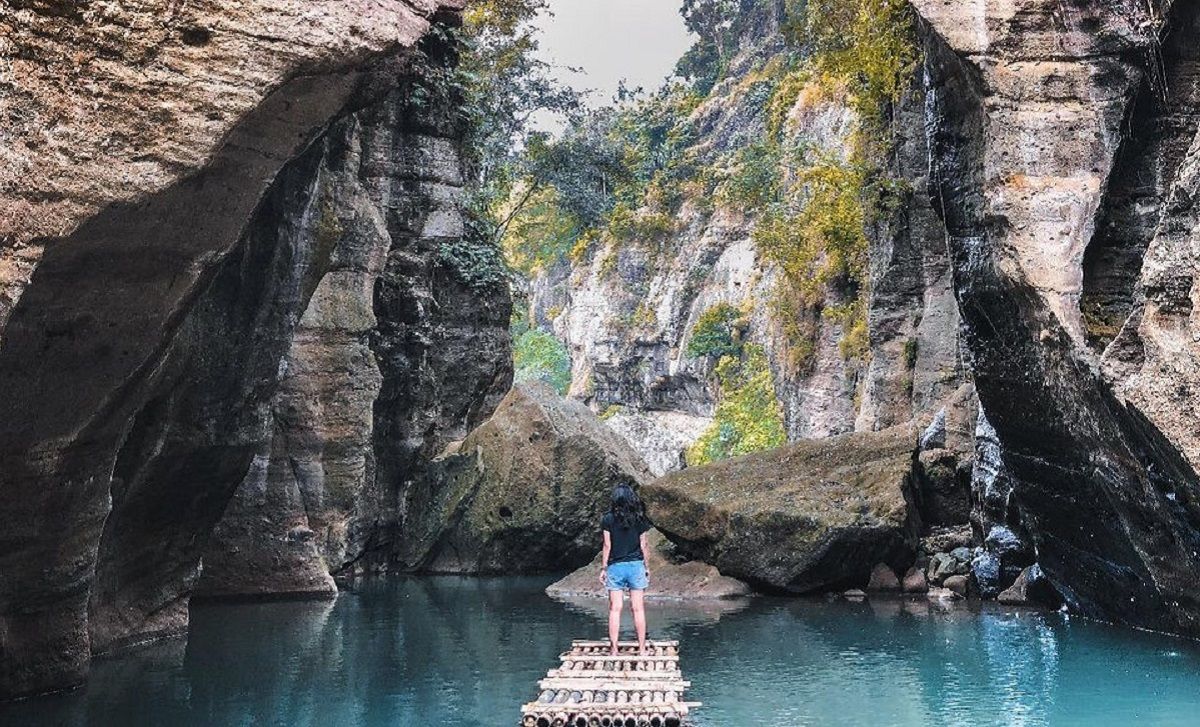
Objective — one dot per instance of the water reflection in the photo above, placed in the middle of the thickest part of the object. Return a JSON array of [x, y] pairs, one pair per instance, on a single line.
[[462, 651], [664, 616]]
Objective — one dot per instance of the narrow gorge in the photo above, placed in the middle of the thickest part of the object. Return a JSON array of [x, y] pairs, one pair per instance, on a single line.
[[881, 295]]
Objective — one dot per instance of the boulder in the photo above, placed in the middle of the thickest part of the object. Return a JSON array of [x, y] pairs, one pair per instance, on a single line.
[[1031, 587], [943, 565], [1013, 551], [883, 578], [1002, 541], [813, 515], [522, 493], [986, 569], [668, 578], [914, 581], [958, 584]]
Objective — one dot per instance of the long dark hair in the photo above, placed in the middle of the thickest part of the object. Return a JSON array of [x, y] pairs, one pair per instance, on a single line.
[[627, 508]]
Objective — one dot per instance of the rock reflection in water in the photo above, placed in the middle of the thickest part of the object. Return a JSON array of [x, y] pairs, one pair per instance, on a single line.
[[664, 616], [410, 652]]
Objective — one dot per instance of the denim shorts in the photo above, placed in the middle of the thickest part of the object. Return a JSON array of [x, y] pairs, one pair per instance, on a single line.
[[629, 575]]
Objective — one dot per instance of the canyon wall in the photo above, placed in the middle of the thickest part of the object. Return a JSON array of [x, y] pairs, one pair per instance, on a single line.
[[240, 308], [1063, 141], [628, 312], [1036, 283], [203, 206]]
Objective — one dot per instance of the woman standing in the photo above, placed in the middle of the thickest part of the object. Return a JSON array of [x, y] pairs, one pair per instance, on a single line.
[[623, 562]]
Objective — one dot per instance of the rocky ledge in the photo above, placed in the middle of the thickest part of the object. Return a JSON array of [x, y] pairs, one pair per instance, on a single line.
[[670, 577], [809, 516]]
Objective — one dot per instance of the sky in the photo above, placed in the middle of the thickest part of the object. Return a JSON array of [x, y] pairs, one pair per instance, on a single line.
[[636, 40]]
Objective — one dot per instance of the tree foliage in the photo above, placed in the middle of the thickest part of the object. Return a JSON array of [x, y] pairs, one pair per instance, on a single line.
[[539, 356], [505, 87], [717, 24], [718, 332]]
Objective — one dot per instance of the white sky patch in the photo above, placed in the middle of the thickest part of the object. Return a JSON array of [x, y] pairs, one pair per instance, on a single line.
[[610, 40]]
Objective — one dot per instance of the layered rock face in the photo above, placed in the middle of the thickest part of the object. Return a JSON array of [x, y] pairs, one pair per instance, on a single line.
[[1063, 150], [809, 516], [395, 356], [524, 492], [629, 312], [162, 240], [102, 105]]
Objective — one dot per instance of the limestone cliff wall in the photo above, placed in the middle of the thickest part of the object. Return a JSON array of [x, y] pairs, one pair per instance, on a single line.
[[1046, 256], [176, 206], [394, 357], [628, 313], [1062, 139]]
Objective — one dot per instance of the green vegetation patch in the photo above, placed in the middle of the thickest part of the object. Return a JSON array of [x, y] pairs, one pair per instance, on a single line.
[[717, 333], [748, 417], [540, 356]]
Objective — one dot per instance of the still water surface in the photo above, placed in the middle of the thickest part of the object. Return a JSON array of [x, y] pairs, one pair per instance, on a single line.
[[460, 651]]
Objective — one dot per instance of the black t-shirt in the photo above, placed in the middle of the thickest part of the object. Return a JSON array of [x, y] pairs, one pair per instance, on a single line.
[[626, 541]]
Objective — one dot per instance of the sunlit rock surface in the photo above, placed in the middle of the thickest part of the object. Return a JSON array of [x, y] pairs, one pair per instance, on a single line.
[[113, 102]]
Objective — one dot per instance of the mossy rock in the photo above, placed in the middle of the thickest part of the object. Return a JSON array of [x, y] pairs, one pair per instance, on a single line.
[[522, 493], [810, 516]]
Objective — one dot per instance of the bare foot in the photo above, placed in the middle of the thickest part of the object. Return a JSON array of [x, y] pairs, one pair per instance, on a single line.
[[612, 650], [642, 650]]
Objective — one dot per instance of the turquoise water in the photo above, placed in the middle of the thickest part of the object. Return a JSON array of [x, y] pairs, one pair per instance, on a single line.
[[458, 651]]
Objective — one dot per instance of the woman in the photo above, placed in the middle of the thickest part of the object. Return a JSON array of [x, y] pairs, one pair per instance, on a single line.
[[623, 562]]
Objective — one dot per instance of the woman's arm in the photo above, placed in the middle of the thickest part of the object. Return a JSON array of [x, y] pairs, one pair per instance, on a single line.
[[645, 554], [604, 556]]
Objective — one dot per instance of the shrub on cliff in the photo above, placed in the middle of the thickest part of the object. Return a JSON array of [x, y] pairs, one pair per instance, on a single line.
[[748, 417], [716, 333], [539, 356]]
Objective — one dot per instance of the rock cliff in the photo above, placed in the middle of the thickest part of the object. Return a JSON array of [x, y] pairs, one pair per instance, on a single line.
[[202, 202], [238, 317], [629, 312], [1041, 248], [1063, 142]]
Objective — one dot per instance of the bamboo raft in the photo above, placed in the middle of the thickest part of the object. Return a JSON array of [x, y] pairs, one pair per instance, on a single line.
[[591, 688]]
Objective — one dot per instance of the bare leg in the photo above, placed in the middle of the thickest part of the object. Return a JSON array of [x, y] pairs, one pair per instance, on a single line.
[[639, 618], [616, 601]]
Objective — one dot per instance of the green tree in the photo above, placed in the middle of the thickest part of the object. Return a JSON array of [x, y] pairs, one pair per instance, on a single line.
[[505, 87], [718, 332]]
